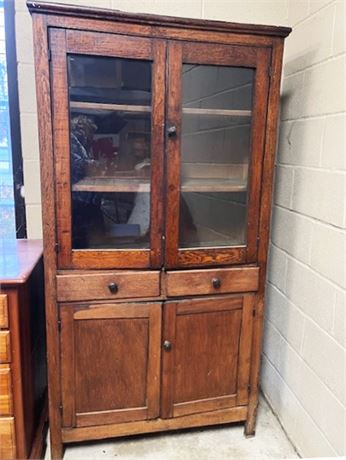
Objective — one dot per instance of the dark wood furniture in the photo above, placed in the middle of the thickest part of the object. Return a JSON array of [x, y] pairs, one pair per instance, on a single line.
[[23, 381], [157, 139]]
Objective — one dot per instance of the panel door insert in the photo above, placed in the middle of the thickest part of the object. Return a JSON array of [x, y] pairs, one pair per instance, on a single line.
[[216, 118], [110, 358], [206, 357], [108, 117]]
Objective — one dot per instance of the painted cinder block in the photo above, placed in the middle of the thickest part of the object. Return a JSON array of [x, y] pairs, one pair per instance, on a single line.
[[339, 37], [309, 438], [292, 96], [178, 8], [298, 10], [325, 409], [272, 343], [339, 328], [292, 233], [310, 292], [277, 267], [26, 85], [24, 38], [325, 356], [29, 134], [300, 142], [261, 12], [34, 220], [320, 97], [319, 194], [32, 179], [334, 143], [283, 185], [318, 46], [328, 252]]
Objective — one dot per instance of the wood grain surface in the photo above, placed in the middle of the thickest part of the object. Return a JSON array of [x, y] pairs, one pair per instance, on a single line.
[[199, 282]]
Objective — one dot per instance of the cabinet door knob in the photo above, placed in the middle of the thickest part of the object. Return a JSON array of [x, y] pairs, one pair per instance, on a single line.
[[113, 287], [172, 131], [167, 345], [216, 282]]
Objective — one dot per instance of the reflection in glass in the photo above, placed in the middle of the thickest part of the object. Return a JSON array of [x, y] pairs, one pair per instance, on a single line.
[[110, 129], [216, 133]]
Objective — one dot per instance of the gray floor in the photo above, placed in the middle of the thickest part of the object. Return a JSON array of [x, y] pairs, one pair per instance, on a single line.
[[227, 442]]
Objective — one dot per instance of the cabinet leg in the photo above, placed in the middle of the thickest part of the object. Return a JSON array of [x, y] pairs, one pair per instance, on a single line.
[[250, 424], [56, 449]]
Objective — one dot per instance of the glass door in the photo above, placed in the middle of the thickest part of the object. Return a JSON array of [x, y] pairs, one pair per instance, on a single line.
[[108, 141], [217, 98]]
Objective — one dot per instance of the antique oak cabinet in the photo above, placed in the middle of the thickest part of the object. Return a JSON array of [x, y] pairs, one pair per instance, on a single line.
[[157, 139]]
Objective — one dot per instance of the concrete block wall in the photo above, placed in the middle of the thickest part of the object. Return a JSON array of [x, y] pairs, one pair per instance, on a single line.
[[304, 360]]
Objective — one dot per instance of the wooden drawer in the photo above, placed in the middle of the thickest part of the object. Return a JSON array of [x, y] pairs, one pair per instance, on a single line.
[[214, 281], [94, 286], [8, 440], [3, 311], [6, 407], [5, 351]]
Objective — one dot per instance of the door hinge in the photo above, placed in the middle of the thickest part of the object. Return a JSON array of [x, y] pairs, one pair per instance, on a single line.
[[254, 312], [57, 247], [60, 409], [249, 388], [270, 71], [59, 325], [49, 54]]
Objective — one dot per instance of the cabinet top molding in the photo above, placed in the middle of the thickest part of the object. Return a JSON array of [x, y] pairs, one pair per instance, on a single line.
[[156, 20]]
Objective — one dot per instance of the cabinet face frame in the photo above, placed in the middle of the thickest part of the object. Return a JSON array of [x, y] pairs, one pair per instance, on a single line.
[[241, 305], [65, 42], [258, 58], [70, 316]]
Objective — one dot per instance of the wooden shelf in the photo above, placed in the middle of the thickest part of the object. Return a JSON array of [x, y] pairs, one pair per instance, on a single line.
[[114, 184], [213, 185], [119, 107], [216, 112], [147, 109]]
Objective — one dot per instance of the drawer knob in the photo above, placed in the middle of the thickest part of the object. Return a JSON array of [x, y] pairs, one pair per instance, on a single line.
[[113, 287], [167, 345], [216, 282], [172, 131]]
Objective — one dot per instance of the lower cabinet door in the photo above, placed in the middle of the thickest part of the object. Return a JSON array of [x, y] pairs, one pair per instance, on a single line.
[[206, 354], [110, 358]]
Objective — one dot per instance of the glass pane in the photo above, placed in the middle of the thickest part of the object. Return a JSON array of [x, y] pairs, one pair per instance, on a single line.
[[110, 124], [216, 134]]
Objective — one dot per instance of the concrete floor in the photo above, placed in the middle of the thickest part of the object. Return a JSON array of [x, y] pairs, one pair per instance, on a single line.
[[218, 443]]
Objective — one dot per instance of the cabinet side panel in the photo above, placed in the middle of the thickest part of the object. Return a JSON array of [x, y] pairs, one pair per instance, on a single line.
[[49, 230], [265, 212]]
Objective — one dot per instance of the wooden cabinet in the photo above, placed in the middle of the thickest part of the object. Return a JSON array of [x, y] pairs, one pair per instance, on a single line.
[[157, 139], [206, 358], [110, 363], [23, 381]]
